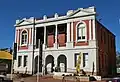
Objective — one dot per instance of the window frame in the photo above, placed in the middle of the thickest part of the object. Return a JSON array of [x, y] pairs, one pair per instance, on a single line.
[[82, 58], [19, 61], [24, 36], [77, 27], [25, 62]]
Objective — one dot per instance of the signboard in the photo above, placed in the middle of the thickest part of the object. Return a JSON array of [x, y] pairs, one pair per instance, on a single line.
[[78, 63]]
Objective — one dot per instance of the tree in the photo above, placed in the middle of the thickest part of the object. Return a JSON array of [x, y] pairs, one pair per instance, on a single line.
[[4, 49], [118, 59], [117, 53]]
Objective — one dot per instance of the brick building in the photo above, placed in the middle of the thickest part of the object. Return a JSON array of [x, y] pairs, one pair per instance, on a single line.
[[63, 38]]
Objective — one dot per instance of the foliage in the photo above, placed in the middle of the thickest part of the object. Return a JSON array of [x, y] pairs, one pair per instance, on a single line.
[[117, 53], [4, 49], [7, 50], [118, 59]]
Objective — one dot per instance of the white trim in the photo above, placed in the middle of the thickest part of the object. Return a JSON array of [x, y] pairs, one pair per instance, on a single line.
[[61, 18], [16, 31], [26, 60], [21, 65], [35, 37], [64, 21], [56, 37], [90, 30], [32, 35], [85, 59], [45, 35], [85, 31], [94, 31], [56, 33], [72, 32], [21, 37], [18, 36], [29, 35], [56, 22], [68, 32]]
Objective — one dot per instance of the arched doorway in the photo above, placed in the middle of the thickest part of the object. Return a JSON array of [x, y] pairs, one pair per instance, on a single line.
[[62, 63], [36, 65], [49, 64]]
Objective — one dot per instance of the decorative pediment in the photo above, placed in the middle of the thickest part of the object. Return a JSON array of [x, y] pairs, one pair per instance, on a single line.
[[23, 22], [82, 12]]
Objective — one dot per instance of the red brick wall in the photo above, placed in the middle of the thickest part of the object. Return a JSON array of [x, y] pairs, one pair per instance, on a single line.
[[74, 33], [61, 40], [50, 40], [106, 54]]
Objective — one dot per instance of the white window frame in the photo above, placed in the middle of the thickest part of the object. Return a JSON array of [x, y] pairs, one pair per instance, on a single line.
[[77, 25], [25, 61], [85, 60], [21, 37], [83, 63], [19, 61]]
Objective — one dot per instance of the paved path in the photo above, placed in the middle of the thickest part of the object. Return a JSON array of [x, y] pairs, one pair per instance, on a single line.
[[41, 79], [46, 79]]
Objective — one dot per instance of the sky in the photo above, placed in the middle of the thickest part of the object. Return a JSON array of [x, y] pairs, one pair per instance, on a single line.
[[11, 10]]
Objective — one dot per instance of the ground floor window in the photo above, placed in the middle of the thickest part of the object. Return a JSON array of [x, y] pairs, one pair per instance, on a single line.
[[25, 60], [19, 61], [84, 59]]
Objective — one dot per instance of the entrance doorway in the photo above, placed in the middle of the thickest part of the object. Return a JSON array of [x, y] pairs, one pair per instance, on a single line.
[[49, 64], [62, 63]]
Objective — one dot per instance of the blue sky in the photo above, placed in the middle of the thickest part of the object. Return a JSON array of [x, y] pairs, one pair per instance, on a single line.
[[10, 10]]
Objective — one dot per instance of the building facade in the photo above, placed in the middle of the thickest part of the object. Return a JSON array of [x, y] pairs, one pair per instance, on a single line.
[[62, 39]]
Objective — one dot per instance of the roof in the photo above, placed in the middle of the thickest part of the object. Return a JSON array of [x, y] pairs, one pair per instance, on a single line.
[[5, 55], [80, 12], [106, 28]]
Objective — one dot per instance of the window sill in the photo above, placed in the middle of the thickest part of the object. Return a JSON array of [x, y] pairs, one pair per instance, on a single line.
[[81, 41], [19, 66], [86, 67], [25, 66], [23, 45]]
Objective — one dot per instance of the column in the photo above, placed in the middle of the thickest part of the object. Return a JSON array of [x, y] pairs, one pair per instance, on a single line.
[[68, 32], [69, 43], [71, 31], [35, 38], [56, 33], [18, 38], [16, 32], [44, 34], [55, 63], [29, 36], [94, 31], [22, 61], [32, 35], [44, 45], [56, 37], [43, 62], [90, 29]]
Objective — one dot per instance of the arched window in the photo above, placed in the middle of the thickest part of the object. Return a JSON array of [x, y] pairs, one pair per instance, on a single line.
[[24, 37], [81, 31]]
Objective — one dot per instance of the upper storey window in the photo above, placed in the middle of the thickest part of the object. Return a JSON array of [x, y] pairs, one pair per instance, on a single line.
[[81, 32], [24, 37]]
